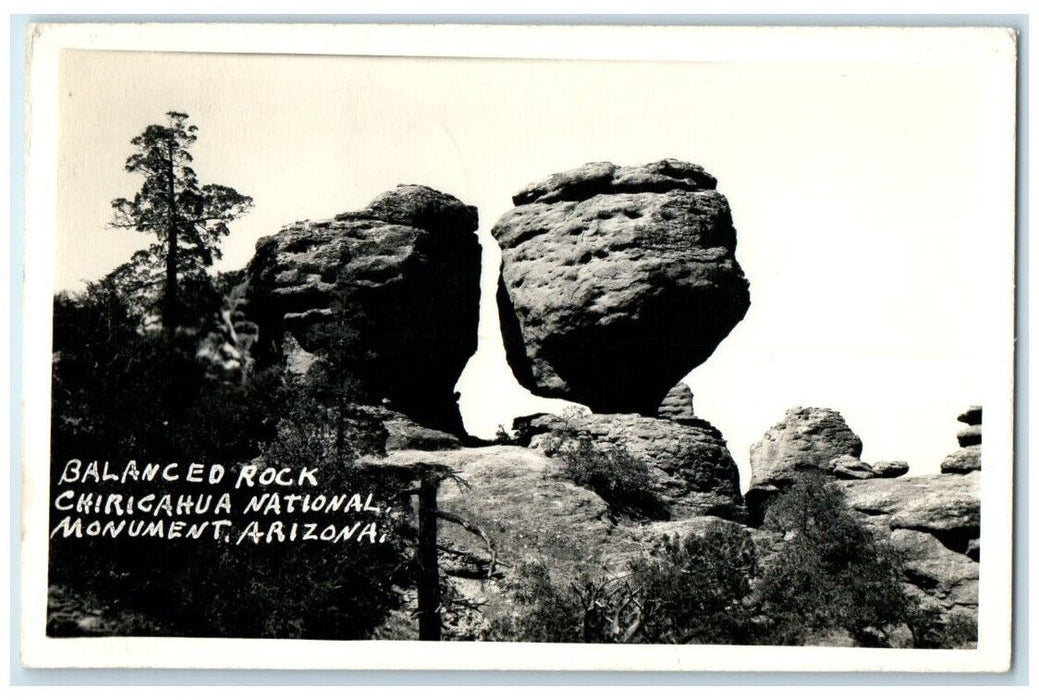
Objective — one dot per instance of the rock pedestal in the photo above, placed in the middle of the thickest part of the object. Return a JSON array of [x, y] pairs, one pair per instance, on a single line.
[[690, 468]]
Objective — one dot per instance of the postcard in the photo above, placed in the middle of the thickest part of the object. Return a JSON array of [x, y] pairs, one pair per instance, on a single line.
[[518, 347]]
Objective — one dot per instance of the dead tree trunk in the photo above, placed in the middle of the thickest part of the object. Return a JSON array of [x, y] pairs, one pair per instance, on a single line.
[[428, 567]]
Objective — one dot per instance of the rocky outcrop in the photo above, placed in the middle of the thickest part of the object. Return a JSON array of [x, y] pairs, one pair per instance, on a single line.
[[934, 520], [617, 281], [690, 468], [806, 438], [968, 457], [947, 506], [522, 501], [391, 290], [529, 511], [677, 405]]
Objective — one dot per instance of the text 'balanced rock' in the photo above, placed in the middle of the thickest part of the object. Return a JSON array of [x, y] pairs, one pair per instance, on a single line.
[[392, 289], [617, 281]]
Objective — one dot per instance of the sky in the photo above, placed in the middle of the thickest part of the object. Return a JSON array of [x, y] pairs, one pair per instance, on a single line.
[[870, 200]]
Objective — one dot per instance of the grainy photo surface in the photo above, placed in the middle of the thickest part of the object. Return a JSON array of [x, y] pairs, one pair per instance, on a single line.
[[529, 350]]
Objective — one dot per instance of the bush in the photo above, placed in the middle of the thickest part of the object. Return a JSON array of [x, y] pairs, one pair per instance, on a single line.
[[832, 572], [685, 591], [696, 589], [931, 629], [617, 476]]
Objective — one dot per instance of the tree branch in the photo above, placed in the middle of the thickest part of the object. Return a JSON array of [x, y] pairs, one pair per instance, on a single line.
[[476, 530]]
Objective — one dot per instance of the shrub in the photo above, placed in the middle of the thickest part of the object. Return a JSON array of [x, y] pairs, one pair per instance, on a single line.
[[832, 572], [684, 591], [612, 472], [931, 629], [696, 589]]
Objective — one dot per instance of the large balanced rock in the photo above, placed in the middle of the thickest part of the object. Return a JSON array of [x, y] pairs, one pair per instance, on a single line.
[[617, 281], [806, 438], [392, 290], [690, 469]]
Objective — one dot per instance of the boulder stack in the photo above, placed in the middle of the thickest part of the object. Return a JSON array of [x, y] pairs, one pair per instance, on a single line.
[[968, 457]]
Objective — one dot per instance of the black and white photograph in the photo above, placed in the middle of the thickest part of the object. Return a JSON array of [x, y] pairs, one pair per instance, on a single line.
[[601, 348]]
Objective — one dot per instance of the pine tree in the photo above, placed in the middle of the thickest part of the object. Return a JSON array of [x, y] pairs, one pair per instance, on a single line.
[[187, 219]]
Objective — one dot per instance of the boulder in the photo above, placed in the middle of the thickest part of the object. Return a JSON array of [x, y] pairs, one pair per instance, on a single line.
[[392, 289], [972, 416], [971, 435], [406, 434], [616, 282], [690, 468], [848, 467], [806, 438], [890, 469], [948, 578], [963, 460], [677, 404]]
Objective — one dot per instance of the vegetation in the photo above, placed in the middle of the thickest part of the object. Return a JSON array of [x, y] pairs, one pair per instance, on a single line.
[[685, 591], [829, 576], [123, 390], [187, 219], [107, 403], [617, 476], [832, 573]]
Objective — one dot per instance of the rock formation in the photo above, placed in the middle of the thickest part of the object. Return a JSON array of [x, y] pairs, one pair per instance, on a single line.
[[530, 511], [617, 281], [677, 405], [392, 289], [806, 438], [934, 520], [847, 467], [691, 470], [968, 457]]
